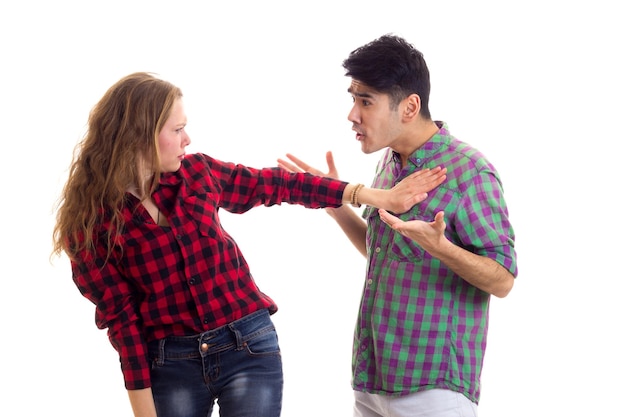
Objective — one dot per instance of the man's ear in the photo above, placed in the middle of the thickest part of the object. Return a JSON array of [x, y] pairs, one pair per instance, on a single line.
[[411, 106]]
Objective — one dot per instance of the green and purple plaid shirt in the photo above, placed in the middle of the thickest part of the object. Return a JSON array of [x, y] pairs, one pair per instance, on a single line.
[[420, 325]]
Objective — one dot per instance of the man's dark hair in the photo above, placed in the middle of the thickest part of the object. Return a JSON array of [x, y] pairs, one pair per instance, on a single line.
[[392, 66]]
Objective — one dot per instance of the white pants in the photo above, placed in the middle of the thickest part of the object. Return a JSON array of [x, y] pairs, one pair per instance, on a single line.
[[429, 403]]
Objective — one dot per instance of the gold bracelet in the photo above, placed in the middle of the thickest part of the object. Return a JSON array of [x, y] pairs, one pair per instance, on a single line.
[[354, 197]]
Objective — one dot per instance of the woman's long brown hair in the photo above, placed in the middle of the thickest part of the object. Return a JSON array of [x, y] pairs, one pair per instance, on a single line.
[[120, 144]]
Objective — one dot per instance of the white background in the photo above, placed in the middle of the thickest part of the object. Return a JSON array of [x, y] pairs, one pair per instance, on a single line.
[[538, 86]]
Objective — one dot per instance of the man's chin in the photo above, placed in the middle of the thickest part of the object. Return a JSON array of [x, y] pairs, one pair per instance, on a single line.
[[367, 150]]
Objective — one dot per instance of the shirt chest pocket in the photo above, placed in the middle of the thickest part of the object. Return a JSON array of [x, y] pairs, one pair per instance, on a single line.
[[214, 243], [390, 243], [203, 211]]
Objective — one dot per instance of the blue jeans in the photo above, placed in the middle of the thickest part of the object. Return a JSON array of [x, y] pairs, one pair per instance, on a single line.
[[239, 365]]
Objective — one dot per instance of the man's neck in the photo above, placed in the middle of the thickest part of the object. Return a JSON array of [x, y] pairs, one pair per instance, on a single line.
[[417, 137]]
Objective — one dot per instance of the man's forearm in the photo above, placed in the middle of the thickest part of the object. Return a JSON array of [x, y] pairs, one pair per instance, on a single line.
[[352, 225]]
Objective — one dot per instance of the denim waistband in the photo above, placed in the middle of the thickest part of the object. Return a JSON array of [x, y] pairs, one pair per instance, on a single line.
[[232, 335]]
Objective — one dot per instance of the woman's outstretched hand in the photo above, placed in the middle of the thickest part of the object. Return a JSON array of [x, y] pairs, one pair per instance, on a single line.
[[414, 189], [408, 192]]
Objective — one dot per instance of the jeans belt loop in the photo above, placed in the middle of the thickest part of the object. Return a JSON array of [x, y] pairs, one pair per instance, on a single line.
[[237, 333]]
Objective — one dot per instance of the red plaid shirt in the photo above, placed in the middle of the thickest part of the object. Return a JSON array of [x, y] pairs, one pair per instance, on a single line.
[[190, 277]]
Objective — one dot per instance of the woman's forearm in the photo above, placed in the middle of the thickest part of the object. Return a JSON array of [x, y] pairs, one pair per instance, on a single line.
[[142, 402]]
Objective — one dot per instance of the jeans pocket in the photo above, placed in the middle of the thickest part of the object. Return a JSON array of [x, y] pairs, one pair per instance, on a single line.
[[265, 343]]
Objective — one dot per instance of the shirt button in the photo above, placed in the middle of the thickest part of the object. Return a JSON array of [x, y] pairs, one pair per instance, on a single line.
[[204, 347], [192, 281], [369, 281], [179, 237], [377, 250]]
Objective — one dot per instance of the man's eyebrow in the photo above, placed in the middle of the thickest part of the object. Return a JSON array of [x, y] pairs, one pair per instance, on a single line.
[[363, 95]]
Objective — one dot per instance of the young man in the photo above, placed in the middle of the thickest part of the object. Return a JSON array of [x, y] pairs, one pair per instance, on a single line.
[[421, 331]]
